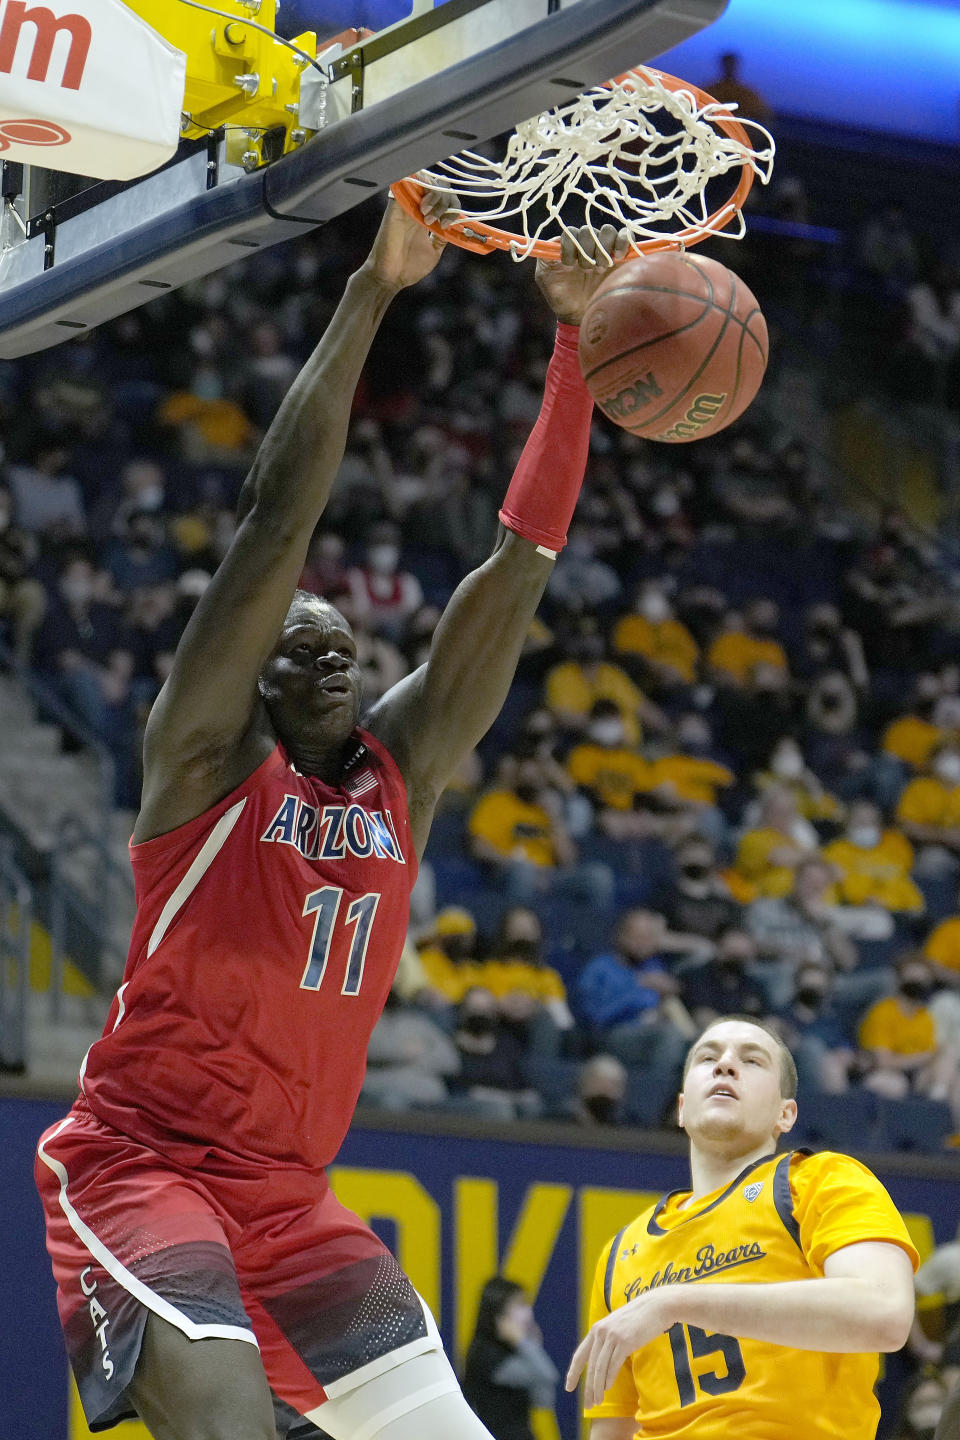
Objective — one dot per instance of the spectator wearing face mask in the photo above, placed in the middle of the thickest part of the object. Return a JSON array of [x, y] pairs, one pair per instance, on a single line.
[[799, 928], [491, 1077], [574, 686], [723, 984], [661, 647], [899, 1036], [929, 811], [522, 837], [382, 596], [142, 554], [448, 954], [748, 640], [699, 901], [685, 777], [601, 1092], [769, 854], [828, 646], [207, 426], [913, 736], [530, 992], [813, 1031], [83, 625], [605, 765], [787, 767], [629, 1001], [873, 864], [690, 765]]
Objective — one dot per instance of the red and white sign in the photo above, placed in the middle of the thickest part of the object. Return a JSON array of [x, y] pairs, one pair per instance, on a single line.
[[87, 86]]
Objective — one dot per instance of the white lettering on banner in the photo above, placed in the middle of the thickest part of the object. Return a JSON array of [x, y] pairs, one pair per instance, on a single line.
[[46, 28], [89, 87], [100, 1320]]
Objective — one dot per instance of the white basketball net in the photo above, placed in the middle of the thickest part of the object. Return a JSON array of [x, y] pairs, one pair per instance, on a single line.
[[604, 152]]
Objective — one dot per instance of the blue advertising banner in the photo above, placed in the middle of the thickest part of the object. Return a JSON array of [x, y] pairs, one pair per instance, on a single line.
[[456, 1202]]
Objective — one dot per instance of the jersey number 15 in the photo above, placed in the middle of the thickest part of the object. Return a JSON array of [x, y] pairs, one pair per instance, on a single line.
[[702, 1344]]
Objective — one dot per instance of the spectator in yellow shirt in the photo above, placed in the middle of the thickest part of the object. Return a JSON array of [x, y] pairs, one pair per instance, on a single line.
[[447, 955], [943, 951], [530, 993], [787, 767], [873, 864], [695, 779], [210, 426], [664, 651], [605, 765], [769, 854], [929, 810], [913, 737], [574, 686], [899, 1035], [527, 844], [747, 640]]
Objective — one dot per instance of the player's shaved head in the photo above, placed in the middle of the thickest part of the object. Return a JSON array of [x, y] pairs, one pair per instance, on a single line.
[[306, 599]]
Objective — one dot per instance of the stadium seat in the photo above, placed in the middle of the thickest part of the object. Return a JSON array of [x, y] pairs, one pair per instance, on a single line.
[[914, 1123], [555, 1080], [836, 1122], [647, 1098]]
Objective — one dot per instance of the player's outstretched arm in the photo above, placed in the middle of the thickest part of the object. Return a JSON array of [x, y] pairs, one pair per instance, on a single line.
[[202, 738], [864, 1303], [434, 718]]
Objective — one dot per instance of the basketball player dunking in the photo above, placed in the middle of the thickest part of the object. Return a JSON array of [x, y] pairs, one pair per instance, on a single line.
[[200, 1256], [755, 1303]]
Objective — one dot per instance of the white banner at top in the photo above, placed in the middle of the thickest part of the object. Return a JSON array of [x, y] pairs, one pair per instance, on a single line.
[[88, 87]]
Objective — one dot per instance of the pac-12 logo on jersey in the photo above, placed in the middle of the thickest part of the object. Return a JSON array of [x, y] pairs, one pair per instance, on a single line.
[[334, 831], [750, 1192]]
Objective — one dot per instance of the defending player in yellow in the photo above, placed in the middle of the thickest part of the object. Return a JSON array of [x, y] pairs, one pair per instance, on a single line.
[[754, 1304]]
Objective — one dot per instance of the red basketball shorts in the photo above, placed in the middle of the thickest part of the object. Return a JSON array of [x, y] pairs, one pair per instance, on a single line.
[[266, 1257]]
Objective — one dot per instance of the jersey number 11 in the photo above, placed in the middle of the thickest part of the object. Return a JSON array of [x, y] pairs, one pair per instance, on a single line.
[[325, 905]]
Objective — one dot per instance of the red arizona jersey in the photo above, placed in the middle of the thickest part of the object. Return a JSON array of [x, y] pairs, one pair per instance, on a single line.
[[267, 936]]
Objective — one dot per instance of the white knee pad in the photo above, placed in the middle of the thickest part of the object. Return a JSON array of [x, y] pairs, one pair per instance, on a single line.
[[419, 1399]]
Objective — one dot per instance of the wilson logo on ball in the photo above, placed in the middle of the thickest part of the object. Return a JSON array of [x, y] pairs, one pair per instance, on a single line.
[[673, 347], [634, 398], [701, 412]]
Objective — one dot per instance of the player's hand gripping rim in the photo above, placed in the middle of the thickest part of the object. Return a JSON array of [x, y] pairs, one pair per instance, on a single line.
[[568, 284], [404, 251]]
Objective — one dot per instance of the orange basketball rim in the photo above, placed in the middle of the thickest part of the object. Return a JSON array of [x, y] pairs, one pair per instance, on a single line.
[[473, 233]]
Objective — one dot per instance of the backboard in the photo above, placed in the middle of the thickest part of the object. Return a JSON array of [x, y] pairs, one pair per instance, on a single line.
[[74, 253]]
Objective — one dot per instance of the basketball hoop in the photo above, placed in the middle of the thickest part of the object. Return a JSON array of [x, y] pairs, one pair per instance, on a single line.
[[637, 152]]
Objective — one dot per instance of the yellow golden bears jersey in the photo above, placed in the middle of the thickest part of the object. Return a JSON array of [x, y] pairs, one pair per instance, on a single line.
[[779, 1220]]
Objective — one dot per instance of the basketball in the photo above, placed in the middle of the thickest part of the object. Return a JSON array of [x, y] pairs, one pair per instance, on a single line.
[[673, 347]]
